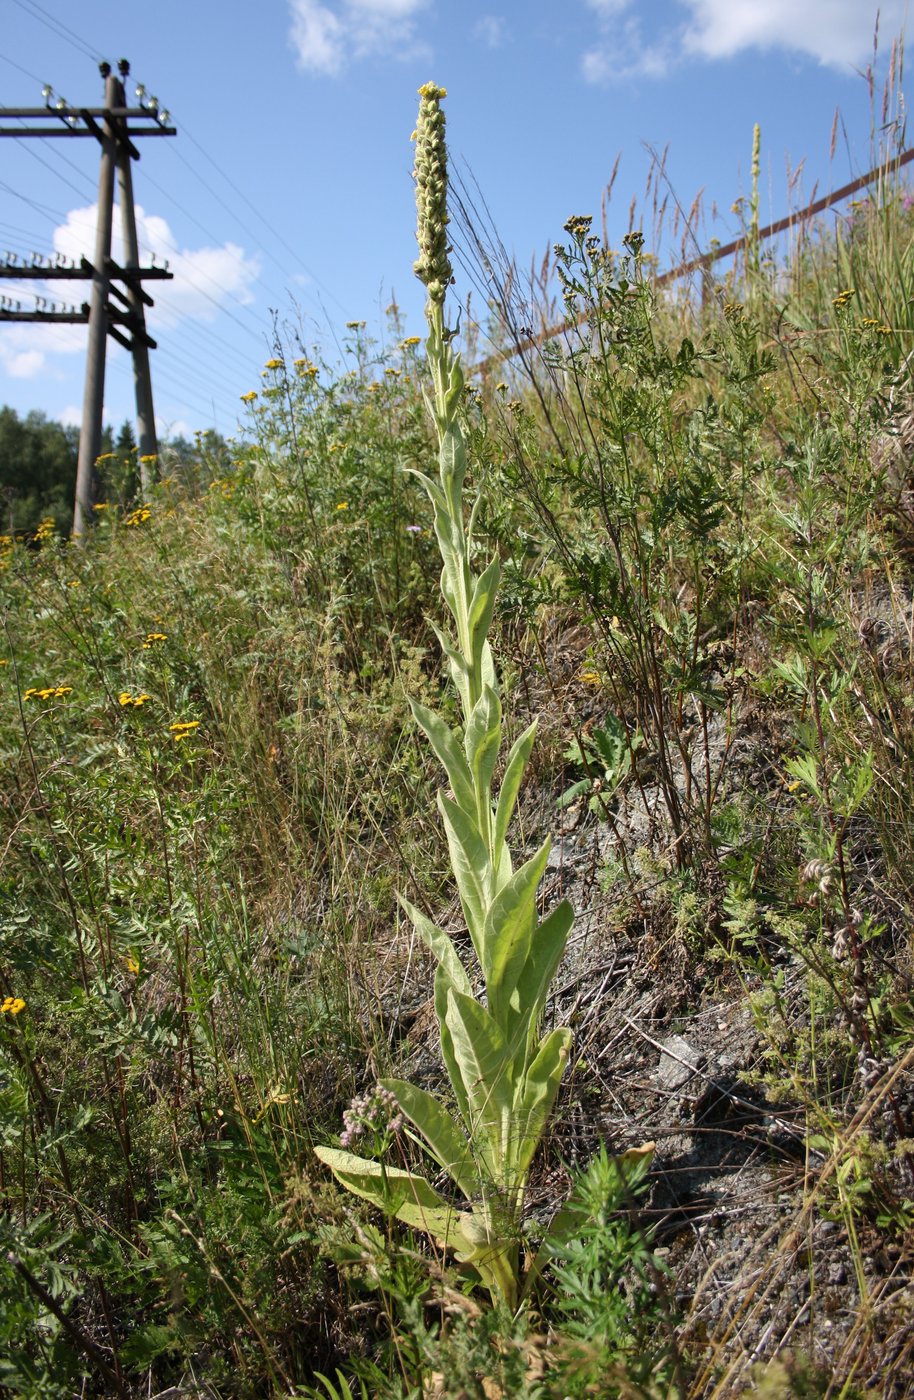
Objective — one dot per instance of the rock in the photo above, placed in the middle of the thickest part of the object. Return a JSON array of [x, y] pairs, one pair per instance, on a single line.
[[678, 1063]]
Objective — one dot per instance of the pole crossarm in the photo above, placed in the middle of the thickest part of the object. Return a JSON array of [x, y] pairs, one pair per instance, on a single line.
[[86, 270], [59, 318]]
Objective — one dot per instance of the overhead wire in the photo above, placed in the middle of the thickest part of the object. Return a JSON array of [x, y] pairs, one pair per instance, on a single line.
[[31, 7]]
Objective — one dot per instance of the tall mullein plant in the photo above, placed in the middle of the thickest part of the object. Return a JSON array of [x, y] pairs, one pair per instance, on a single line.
[[504, 1074]]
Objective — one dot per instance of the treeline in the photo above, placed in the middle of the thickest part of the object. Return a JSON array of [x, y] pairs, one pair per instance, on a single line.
[[38, 467]]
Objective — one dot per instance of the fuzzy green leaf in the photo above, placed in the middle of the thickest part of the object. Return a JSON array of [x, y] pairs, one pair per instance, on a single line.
[[470, 864], [482, 741], [481, 1054], [534, 978], [481, 607], [446, 1142], [389, 1188], [443, 989], [439, 944], [510, 786], [509, 932], [452, 463], [458, 666], [446, 746], [536, 1095], [400, 1193]]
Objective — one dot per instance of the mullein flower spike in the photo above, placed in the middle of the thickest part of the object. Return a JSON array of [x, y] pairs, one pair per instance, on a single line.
[[432, 267]]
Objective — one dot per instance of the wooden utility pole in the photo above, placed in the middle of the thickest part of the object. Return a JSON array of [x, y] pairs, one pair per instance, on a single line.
[[90, 432], [113, 310]]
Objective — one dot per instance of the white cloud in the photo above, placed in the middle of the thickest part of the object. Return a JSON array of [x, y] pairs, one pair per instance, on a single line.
[[71, 417], [326, 37], [25, 364], [490, 30], [607, 9], [631, 48], [837, 32], [205, 279], [834, 32], [173, 428]]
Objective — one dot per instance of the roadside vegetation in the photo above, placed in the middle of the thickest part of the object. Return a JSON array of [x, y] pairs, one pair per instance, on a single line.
[[226, 880]]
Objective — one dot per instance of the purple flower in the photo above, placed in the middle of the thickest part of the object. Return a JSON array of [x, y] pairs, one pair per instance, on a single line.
[[376, 1114]]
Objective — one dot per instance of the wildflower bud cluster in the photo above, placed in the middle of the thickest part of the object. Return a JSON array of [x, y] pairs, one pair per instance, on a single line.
[[376, 1113], [433, 265]]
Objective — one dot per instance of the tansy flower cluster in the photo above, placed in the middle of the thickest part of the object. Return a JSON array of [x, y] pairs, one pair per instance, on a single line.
[[138, 516], [45, 529], [48, 692], [125, 698], [306, 369], [182, 729], [11, 1006], [841, 300], [273, 364], [249, 397], [153, 638]]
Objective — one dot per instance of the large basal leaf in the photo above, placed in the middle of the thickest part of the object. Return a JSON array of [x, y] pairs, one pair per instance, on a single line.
[[482, 740], [438, 943], [389, 1188], [443, 1137], [447, 747], [402, 1194], [470, 864], [481, 1054], [536, 1095]]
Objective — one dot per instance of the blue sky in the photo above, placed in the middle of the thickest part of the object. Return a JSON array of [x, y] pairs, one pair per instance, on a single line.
[[288, 186]]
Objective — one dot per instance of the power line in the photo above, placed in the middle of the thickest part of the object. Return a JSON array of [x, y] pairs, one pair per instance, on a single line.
[[48, 166], [36, 11], [253, 207], [13, 64]]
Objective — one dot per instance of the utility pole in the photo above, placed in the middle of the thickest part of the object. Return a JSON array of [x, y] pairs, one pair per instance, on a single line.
[[113, 310]]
